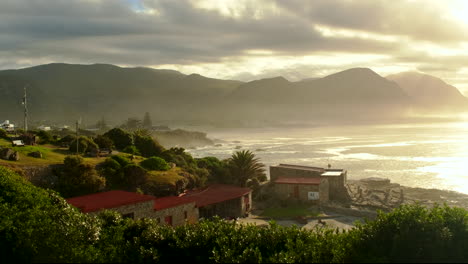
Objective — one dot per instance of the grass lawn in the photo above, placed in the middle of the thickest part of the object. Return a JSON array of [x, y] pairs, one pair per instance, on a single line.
[[50, 155], [171, 176], [289, 212]]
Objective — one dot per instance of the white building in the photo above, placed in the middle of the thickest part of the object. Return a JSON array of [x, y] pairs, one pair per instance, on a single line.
[[7, 126]]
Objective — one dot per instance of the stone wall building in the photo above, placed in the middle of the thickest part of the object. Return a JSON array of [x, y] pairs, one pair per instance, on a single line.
[[313, 190], [175, 211], [226, 201], [297, 175], [132, 205]]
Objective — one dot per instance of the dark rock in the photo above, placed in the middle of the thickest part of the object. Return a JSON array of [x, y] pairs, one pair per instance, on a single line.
[[15, 156], [6, 153], [36, 154]]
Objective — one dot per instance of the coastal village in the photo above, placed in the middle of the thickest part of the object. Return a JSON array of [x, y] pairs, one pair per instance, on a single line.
[[326, 191]]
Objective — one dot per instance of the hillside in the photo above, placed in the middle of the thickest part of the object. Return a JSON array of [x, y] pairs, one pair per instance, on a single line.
[[429, 91], [357, 93], [62, 93]]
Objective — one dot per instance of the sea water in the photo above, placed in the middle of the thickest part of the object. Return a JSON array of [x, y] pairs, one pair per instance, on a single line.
[[414, 155]]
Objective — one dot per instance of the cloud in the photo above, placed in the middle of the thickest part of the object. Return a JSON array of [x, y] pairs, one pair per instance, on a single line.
[[220, 38]]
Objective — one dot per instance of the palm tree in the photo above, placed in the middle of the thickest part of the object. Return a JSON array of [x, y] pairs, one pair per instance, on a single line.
[[245, 168]]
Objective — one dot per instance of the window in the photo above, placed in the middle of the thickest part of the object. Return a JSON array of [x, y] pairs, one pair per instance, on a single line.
[[129, 215], [185, 215], [168, 220], [296, 191]]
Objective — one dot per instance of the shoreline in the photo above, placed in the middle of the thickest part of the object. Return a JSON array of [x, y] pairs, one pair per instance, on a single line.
[[376, 194]]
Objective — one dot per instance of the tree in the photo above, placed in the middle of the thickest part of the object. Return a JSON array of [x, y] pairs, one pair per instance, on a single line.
[[85, 145], [147, 146], [147, 123], [104, 142], [78, 178], [245, 167], [218, 169], [155, 163], [120, 137]]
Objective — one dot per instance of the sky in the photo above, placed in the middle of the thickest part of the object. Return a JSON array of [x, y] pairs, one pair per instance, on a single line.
[[242, 39]]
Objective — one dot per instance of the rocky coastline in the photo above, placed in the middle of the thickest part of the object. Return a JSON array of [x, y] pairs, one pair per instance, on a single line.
[[381, 194]]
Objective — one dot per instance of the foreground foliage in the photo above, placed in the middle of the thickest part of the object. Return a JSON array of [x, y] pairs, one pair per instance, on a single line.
[[37, 225]]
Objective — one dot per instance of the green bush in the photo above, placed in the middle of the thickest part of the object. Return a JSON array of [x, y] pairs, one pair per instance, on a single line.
[[44, 137], [39, 226], [147, 146], [120, 138], [131, 150], [155, 163], [104, 142], [85, 145], [3, 134]]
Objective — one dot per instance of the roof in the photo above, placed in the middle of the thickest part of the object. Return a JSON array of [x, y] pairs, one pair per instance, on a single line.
[[171, 201], [332, 173], [216, 193], [299, 167], [106, 200], [304, 181]]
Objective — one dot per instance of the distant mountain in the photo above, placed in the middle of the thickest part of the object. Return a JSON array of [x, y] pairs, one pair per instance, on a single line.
[[354, 93], [62, 93], [429, 91], [65, 91]]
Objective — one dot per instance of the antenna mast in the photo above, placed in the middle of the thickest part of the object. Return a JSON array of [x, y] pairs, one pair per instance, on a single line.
[[25, 103]]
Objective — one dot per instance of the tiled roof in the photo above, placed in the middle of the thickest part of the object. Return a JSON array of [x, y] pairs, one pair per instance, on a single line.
[[216, 193], [171, 201], [306, 181], [299, 167], [107, 200]]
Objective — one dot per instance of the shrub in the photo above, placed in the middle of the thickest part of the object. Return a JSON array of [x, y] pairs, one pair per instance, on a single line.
[[120, 138], [44, 137], [78, 178], [85, 145], [147, 146], [131, 150], [104, 142], [155, 163], [3, 134]]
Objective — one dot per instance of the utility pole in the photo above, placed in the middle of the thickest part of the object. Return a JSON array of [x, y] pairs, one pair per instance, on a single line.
[[25, 103], [77, 140], [76, 137]]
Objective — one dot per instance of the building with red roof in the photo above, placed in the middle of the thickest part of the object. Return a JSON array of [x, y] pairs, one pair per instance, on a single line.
[[218, 199], [129, 204], [308, 183], [223, 200]]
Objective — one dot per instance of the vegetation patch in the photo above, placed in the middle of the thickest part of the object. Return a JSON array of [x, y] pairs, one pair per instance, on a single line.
[[166, 177], [289, 212]]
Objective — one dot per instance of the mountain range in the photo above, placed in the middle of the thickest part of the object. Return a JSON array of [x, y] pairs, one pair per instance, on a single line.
[[61, 92]]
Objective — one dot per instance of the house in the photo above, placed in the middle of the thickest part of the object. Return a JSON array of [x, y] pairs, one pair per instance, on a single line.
[[7, 126], [175, 210], [226, 201], [132, 205], [300, 179], [219, 199], [44, 128]]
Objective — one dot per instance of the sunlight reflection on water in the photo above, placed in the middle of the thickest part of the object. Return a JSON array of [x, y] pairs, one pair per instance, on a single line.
[[427, 156]]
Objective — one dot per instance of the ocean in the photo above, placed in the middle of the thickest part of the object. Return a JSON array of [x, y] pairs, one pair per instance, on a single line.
[[415, 155]]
